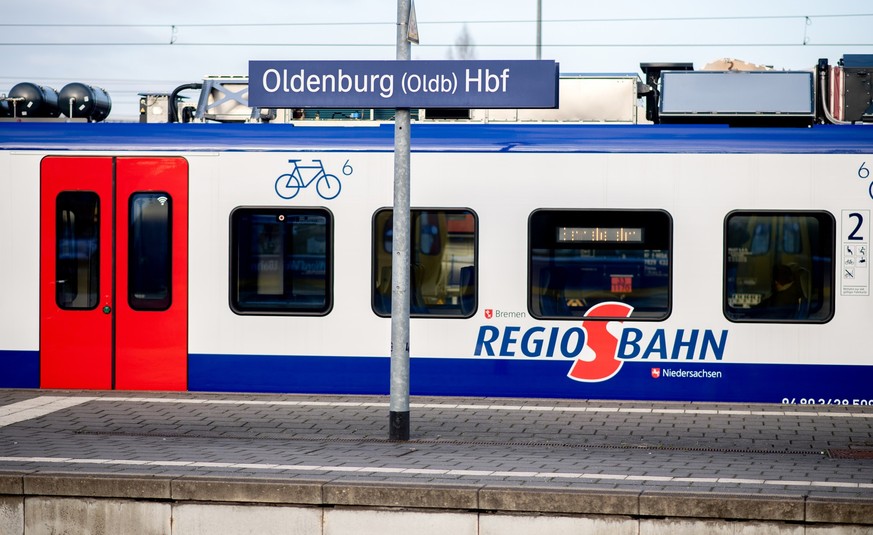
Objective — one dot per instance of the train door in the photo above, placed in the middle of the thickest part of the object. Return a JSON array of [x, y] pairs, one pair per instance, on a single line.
[[114, 273]]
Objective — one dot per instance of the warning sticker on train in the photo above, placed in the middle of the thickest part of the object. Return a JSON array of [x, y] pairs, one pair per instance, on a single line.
[[855, 269]]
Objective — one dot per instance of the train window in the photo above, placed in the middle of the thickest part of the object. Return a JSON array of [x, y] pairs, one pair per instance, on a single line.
[[77, 266], [281, 261], [443, 263], [779, 266], [148, 252], [579, 259]]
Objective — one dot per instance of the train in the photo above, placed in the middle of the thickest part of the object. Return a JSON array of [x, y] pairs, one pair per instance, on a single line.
[[662, 262]]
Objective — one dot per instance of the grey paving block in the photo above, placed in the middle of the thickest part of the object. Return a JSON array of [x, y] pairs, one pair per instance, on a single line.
[[840, 510], [556, 501], [103, 486], [224, 489], [380, 494], [11, 484], [727, 506]]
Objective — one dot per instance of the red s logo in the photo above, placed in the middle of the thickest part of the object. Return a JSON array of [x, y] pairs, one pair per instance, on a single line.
[[489, 313], [604, 344]]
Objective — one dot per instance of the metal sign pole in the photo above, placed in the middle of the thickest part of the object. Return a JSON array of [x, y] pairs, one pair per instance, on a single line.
[[539, 29], [399, 400]]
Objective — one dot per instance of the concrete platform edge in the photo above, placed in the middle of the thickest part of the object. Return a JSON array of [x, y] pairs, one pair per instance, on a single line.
[[488, 499]]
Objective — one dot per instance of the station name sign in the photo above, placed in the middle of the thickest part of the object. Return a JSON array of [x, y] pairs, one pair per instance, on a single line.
[[404, 84]]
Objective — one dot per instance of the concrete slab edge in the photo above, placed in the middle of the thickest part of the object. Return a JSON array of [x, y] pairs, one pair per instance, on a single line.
[[455, 497], [725, 506]]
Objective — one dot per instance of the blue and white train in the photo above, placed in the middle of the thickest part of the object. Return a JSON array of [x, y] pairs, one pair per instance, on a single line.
[[644, 262]]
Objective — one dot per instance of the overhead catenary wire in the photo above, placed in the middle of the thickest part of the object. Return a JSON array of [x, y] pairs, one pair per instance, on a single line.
[[176, 39], [392, 23], [194, 38], [439, 45]]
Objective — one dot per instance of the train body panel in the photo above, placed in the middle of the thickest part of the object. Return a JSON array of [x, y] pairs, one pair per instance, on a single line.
[[284, 239], [20, 241]]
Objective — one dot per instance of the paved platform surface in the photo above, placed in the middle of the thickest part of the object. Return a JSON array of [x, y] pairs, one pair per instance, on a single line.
[[801, 454]]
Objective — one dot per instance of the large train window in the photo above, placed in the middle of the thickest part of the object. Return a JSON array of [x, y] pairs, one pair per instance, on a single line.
[[443, 263], [281, 261], [78, 242], [779, 266], [149, 253], [579, 259]]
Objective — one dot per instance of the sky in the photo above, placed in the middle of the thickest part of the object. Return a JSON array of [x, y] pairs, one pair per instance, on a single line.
[[128, 48]]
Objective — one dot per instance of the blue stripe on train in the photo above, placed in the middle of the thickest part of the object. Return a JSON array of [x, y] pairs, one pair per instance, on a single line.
[[494, 137], [19, 369], [769, 383]]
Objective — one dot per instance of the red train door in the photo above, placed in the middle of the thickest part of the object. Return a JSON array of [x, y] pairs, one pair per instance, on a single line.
[[114, 273]]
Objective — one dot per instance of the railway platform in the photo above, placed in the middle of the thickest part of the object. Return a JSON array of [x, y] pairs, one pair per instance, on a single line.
[[177, 463]]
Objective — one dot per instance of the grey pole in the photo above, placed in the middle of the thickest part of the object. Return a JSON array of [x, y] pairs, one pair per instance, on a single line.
[[539, 29], [399, 402]]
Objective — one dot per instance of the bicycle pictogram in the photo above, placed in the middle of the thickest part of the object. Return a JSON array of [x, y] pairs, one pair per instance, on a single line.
[[327, 185]]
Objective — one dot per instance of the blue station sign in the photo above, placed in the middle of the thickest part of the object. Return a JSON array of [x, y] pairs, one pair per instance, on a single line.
[[404, 84]]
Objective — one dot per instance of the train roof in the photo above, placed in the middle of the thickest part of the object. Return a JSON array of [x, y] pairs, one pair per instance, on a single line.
[[446, 137]]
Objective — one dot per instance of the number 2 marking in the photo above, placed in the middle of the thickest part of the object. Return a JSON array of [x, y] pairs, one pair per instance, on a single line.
[[854, 234]]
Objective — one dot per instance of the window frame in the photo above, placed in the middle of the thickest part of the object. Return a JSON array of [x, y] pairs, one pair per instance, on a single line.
[[378, 246], [142, 304], [614, 213], [233, 259], [828, 272], [94, 263]]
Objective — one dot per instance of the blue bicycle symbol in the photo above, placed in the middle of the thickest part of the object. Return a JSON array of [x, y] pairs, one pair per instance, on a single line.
[[326, 185]]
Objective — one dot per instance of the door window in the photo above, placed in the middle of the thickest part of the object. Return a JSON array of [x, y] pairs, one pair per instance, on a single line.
[[78, 242], [149, 254]]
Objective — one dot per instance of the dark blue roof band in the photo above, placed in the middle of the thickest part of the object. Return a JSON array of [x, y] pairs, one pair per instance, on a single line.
[[564, 138]]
